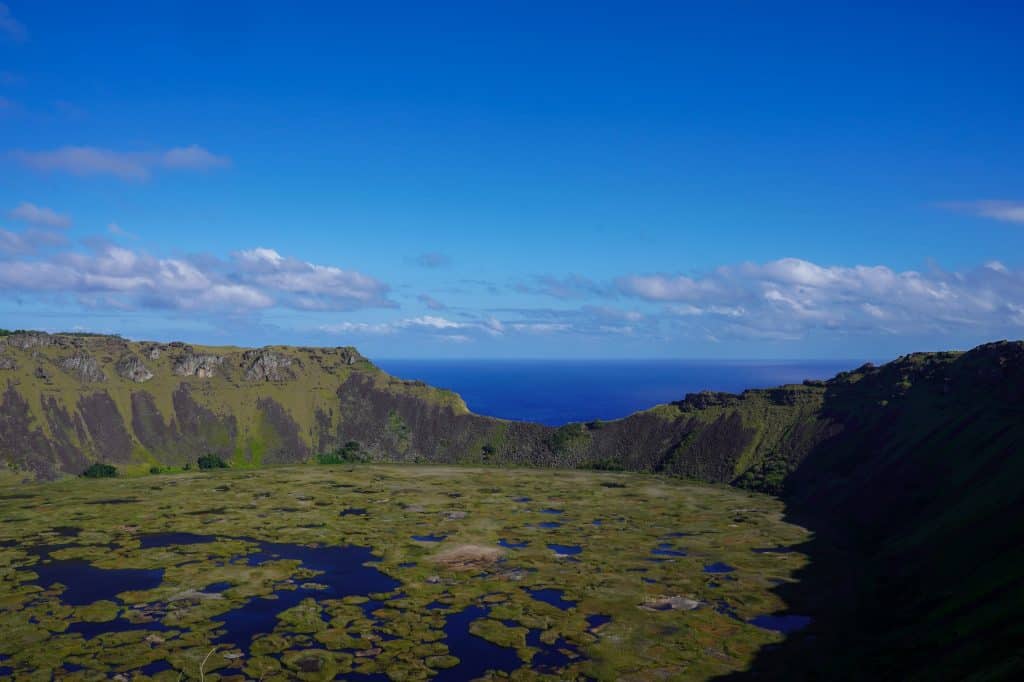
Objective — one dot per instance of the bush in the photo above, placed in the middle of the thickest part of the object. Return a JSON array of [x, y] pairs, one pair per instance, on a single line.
[[350, 453], [211, 461], [569, 438], [155, 470], [98, 470]]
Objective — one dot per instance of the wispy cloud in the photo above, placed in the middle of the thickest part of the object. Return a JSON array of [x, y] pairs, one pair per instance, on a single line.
[[10, 27], [92, 161], [118, 231], [431, 302], [433, 259], [39, 216], [1005, 211], [572, 286]]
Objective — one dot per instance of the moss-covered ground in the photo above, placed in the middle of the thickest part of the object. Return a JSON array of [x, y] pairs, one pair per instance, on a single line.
[[663, 615]]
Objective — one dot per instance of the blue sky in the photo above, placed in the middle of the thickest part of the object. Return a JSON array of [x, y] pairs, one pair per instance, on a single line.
[[516, 179]]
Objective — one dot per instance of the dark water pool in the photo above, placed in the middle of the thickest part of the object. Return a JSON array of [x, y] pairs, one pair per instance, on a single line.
[[344, 573], [570, 550], [666, 549], [85, 583], [552, 596], [508, 544], [429, 538], [353, 511], [476, 655], [719, 567], [153, 540]]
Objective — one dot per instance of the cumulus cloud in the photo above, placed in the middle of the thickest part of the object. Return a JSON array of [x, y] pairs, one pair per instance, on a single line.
[[10, 27], [787, 298], [91, 161], [309, 286], [1005, 211], [39, 216], [113, 276]]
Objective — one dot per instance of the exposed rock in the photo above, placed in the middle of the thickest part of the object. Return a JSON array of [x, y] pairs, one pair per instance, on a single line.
[[267, 365], [7, 363], [199, 365], [349, 355], [670, 603], [27, 340], [41, 373], [83, 367], [131, 368], [455, 515]]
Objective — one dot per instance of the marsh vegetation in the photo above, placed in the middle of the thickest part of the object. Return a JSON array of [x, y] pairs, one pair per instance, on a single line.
[[377, 572]]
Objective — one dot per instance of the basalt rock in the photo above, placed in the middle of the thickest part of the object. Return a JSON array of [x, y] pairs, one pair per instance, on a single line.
[[83, 367], [131, 368], [267, 365], [200, 365], [27, 340]]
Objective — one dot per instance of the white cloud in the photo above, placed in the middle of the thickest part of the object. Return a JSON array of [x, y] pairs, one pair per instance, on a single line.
[[1005, 211], [312, 287], [789, 297], [39, 216], [111, 275], [91, 161]]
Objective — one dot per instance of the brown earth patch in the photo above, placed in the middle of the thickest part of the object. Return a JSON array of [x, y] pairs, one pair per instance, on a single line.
[[468, 557]]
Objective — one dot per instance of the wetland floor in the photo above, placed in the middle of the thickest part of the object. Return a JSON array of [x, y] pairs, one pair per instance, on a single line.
[[389, 572]]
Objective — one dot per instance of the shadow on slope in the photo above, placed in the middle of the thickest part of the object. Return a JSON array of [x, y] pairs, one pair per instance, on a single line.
[[917, 563]]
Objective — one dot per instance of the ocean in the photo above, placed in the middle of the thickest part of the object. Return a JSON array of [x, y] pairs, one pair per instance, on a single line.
[[555, 392]]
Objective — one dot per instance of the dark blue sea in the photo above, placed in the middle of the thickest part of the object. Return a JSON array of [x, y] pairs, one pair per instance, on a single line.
[[559, 391]]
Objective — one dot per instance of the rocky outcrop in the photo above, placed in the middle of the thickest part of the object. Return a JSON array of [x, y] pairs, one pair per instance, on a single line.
[[267, 365], [204, 366], [83, 367], [130, 367], [27, 340], [7, 363]]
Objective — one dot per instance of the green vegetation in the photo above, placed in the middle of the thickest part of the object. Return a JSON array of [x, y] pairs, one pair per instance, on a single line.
[[568, 439], [99, 470], [211, 461], [350, 453]]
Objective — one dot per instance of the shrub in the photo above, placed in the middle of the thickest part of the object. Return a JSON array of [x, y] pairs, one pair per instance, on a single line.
[[155, 470], [607, 465], [351, 452], [211, 461], [99, 470], [569, 438]]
